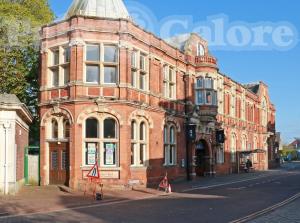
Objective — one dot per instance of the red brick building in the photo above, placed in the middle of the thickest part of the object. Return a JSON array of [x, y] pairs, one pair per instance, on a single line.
[[115, 93]]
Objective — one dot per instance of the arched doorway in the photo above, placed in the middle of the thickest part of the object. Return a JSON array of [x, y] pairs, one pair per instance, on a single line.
[[203, 158]]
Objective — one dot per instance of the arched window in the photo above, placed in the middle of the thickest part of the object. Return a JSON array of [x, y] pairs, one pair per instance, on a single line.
[[264, 115], [91, 128], [66, 128], [54, 129], [101, 141], [170, 144], [200, 50], [138, 143], [109, 128]]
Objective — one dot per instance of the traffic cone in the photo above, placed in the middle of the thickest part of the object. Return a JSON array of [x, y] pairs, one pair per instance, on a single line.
[[169, 189]]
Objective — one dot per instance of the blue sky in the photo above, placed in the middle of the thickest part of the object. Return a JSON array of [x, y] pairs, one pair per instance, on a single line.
[[280, 70]]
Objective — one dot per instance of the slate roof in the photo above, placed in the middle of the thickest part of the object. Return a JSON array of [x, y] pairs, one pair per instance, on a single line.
[[252, 87], [9, 99]]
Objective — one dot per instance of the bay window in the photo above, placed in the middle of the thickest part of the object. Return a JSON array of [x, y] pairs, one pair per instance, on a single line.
[[205, 93]]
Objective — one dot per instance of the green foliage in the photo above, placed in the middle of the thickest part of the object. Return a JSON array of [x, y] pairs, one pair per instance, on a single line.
[[20, 22], [286, 151]]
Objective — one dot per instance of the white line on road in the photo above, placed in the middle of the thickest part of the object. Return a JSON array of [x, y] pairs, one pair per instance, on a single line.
[[233, 182], [267, 210]]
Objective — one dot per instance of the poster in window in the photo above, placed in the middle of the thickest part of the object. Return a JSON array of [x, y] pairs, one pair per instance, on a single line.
[[109, 154], [91, 153]]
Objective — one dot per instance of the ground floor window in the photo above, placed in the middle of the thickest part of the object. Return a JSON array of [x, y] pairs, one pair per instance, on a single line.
[[101, 141], [138, 143], [220, 156], [169, 145]]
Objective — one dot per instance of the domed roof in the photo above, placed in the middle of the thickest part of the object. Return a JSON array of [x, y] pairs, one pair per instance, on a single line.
[[98, 8]]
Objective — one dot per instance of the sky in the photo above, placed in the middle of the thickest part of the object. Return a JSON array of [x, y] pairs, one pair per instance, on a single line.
[[275, 65]]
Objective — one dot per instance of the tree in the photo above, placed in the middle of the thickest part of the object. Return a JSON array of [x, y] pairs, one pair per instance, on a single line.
[[20, 22]]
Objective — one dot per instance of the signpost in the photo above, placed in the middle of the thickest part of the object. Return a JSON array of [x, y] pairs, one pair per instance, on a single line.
[[94, 181]]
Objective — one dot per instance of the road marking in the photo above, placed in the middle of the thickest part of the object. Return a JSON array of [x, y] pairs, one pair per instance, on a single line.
[[267, 210], [225, 184]]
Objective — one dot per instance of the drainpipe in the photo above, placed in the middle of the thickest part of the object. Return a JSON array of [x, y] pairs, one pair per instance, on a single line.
[[6, 127], [186, 124]]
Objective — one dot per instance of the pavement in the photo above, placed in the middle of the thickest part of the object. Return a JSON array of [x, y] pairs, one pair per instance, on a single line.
[[219, 199]]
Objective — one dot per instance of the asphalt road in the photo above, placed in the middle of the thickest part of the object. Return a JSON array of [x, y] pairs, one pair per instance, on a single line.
[[218, 204]]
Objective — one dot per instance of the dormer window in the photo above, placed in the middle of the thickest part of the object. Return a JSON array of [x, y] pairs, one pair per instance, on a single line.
[[200, 50]]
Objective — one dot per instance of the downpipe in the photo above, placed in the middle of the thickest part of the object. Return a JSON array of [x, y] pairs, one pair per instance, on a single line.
[[6, 126]]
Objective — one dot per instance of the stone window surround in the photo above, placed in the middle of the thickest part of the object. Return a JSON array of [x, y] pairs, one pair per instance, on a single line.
[[168, 145], [60, 67], [136, 68], [168, 83], [101, 63], [100, 117], [138, 121]]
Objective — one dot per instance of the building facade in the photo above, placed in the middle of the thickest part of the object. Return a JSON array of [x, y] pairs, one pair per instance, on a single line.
[[114, 93], [15, 119]]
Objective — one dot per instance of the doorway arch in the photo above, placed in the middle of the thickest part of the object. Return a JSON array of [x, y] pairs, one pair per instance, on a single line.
[[203, 158]]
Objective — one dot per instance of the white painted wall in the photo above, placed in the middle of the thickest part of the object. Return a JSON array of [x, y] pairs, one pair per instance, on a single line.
[[8, 118]]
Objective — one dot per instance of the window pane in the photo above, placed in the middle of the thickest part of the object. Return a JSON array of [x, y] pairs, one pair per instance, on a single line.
[[133, 148], [142, 131], [54, 160], [109, 153], [54, 129], [92, 74], [133, 78], [55, 59], [109, 128], [110, 75], [67, 55], [142, 152], [66, 75], [91, 153], [208, 97], [55, 78], [91, 128], [199, 83], [171, 76], [208, 83], [172, 135], [166, 68], [215, 99], [171, 155], [133, 130], [93, 53], [200, 97], [110, 54], [142, 81], [165, 134], [133, 59], [142, 62], [171, 91], [66, 129]]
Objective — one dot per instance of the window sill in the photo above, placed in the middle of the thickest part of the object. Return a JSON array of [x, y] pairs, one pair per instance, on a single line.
[[138, 167], [88, 167], [170, 165]]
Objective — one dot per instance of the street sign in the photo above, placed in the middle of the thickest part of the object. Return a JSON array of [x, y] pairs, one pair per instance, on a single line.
[[94, 172]]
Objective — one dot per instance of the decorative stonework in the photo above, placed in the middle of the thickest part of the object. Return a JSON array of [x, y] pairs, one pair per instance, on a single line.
[[56, 111], [141, 114], [173, 121], [76, 42], [98, 109]]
